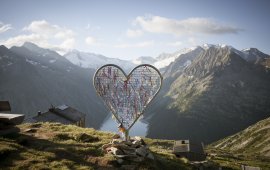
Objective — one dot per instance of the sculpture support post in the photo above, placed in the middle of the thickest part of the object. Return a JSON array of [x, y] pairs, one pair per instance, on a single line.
[[126, 135]]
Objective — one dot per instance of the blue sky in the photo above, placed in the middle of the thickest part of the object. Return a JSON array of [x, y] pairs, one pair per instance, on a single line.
[[128, 29]]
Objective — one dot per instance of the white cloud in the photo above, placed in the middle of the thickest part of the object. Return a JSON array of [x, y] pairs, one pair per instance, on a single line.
[[134, 33], [192, 41], [191, 26], [68, 43], [175, 44], [4, 27], [47, 29], [45, 35], [136, 45], [19, 40], [90, 40]]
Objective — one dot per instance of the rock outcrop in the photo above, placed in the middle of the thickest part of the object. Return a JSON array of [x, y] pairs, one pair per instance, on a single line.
[[134, 150]]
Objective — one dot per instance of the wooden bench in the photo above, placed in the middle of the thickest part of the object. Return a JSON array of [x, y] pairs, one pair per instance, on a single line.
[[11, 119]]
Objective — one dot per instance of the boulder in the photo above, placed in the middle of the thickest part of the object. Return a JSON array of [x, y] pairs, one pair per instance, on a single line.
[[116, 141], [105, 146], [150, 156], [141, 151], [120, 161], [116, 151], [134, 150]]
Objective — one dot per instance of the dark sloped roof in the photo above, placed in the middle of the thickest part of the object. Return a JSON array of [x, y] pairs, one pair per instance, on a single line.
[[68, 113], [63, 114], [51, 117]]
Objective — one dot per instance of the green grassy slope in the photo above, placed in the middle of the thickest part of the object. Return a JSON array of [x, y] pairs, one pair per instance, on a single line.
[[250, 146], [57, 146]]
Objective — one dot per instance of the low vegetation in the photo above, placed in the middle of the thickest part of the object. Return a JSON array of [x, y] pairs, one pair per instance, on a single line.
[[250, 147], [57, 146]]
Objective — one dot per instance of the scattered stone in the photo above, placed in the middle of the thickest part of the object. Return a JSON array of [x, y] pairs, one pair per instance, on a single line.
[[122, 146], [120, 161], [130, 151], [30, 130], [116, 151], [150, 156], [138, 159], [129, 143], [136, 143], [105, 146], [137, 138], [141, 151], [116, 141], [134, 150]]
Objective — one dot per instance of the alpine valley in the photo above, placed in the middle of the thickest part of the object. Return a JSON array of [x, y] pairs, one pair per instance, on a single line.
[[209, 91]]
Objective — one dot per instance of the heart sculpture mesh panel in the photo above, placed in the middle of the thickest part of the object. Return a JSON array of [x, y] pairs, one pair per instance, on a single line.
[[127, 95]]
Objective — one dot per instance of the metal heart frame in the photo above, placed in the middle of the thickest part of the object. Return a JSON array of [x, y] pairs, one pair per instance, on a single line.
[[126, 79]]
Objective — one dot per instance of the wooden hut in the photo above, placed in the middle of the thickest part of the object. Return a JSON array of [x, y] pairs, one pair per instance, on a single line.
[[190, 150], [62, 114]]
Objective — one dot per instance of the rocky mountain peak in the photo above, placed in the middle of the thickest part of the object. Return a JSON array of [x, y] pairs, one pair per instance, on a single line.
[[3, 47]]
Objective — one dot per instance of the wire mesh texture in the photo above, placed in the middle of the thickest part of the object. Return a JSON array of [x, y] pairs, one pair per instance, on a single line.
[[127, 95]]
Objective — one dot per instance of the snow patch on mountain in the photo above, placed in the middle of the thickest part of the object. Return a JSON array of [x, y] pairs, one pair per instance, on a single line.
[[52, 61], [44, 66], [144, 60], [187, 63], [166, 59], [32, 62], [165, 62], [91, 60], [9, 64]]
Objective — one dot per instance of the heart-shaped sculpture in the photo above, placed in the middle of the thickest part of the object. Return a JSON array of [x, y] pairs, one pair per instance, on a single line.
[[127, 95]]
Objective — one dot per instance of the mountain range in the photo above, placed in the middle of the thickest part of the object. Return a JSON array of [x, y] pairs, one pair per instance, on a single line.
[[33, 79], [208, 92], [211, 92]]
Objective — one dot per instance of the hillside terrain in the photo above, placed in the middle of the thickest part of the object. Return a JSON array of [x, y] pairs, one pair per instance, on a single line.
[[252, 144], [58, 146], [252, 141]]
